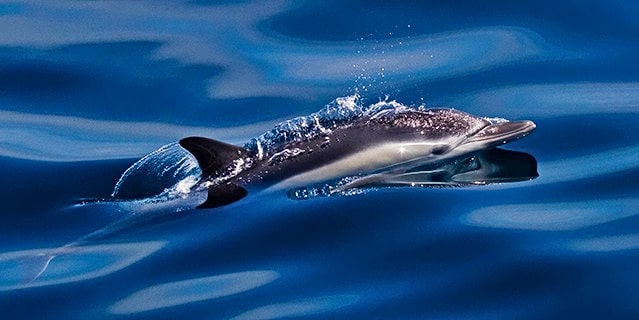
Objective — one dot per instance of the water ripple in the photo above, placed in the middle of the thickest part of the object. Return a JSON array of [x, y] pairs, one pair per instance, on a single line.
[[261, 63], [552, 100], [192, 290], [64, 265], [606, 244], [169, 169], [616, 160], [63, 138], [553, 216], [298, 308], [576, 168]]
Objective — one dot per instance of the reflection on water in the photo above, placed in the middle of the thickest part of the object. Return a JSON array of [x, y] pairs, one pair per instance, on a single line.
[[168, 167], [64, 265], [553, 216], [63, 138], [298, 308], [565, 170], [479, 168], [60, 138], [553, 100], [256, 63], [192, 290], [606, 244], [207, 288]]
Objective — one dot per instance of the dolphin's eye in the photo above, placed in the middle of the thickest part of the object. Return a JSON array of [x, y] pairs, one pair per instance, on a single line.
[[441, 149]]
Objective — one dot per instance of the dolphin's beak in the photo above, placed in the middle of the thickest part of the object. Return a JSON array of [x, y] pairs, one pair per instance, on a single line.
[[496, 134]]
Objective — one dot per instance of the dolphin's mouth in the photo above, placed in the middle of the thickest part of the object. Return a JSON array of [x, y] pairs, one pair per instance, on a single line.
[[497, 134]]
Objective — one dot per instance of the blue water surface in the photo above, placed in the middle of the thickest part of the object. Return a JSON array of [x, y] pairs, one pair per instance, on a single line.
[[89, 87]]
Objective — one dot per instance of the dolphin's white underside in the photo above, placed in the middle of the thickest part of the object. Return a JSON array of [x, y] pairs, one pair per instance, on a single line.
[[387, 156]]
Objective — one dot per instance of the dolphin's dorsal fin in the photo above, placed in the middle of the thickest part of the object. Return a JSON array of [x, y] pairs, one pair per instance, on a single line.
[[222, 195], [213, 156]]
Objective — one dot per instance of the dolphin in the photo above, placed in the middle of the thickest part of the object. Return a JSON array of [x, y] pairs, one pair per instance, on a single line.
[[322, 155], [387, 147]]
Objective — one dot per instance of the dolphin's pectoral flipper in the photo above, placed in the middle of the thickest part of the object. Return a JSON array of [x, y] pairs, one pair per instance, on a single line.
[[212, 156], [222, 195]]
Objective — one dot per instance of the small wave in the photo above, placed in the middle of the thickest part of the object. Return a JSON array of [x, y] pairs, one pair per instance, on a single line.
[[71, 264], [606, 243], [562, 216], [182, 292], [299, 308], [170, 171]]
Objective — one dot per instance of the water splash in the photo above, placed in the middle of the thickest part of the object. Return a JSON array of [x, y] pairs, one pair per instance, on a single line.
[[328, 189], [170, 171], [339, 112]]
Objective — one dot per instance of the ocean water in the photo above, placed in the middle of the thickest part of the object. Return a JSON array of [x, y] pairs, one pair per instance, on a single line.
[[87, 88]]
